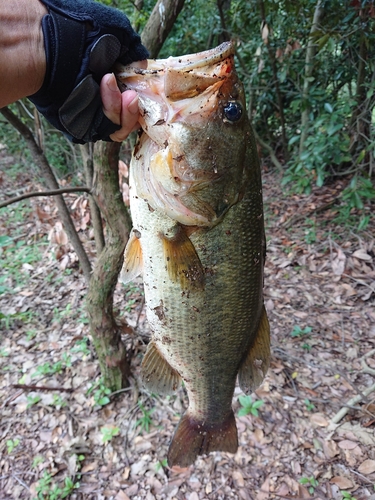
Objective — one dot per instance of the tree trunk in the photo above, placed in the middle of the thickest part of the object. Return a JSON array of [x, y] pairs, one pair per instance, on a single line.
[[360, 123], [309, 69], [106, 334], [51, 182], [223, 8], [160, 23]]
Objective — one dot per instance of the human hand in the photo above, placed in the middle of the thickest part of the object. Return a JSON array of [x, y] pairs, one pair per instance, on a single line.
[[91, 39], [120, 108]]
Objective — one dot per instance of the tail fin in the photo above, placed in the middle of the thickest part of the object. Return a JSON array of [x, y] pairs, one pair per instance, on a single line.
[[193, 438]]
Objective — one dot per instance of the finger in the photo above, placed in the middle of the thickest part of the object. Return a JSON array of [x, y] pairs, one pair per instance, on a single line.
[[111, 98], [129, 115]]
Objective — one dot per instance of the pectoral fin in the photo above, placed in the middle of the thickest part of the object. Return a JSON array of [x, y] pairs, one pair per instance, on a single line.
[[255, 366], [157, 375], [133, 261], [182, 261]]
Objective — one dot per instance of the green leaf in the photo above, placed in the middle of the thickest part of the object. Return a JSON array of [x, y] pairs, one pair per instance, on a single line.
[[294, 139], [328, 107], [5, 241], [242, 412], [245, 400]]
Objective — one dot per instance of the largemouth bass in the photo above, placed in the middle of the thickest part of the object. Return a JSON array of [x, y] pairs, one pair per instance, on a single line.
[[198, 241]]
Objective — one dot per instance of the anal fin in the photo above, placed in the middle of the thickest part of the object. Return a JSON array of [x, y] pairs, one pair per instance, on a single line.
[[193, 438], [133, 260], [255, 365], [157, 375], [182, 261]]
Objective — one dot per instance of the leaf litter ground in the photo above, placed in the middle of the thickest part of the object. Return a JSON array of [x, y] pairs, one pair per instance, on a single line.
[[58, 423]]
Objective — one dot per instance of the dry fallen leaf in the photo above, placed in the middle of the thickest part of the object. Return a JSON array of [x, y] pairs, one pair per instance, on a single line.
[[363, 435], [338, 263], [362, 255], [238, 479], [342, 482], [367, 467], [264, 490], [90, 467], [193, 496], [121, 496], [347, 445], [330, 449], [319, 419]]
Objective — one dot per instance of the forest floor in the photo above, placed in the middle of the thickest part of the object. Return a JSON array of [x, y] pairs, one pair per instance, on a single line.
[[63, 436]]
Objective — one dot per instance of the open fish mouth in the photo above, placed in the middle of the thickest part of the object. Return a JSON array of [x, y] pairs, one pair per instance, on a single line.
[[189, 62], [173, 83]]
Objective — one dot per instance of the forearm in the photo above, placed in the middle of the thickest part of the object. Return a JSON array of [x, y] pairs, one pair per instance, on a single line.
[[22, 54], [57, 53]]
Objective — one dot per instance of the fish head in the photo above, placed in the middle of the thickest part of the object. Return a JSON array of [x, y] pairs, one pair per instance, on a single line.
[[190, 159]]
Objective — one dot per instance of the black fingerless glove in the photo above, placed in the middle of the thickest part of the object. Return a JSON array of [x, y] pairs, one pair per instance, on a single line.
[[83, 39]]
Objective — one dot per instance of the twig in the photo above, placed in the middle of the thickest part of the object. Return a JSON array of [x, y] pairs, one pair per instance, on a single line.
[[11, 398], [40, 388], [270, 151], [297, 217], [46, 171], [52, 192], [364, 478], [360, 282], [219, 487], [341, 414], [360, 394], [21, 482], [126, 389], [365, 367]]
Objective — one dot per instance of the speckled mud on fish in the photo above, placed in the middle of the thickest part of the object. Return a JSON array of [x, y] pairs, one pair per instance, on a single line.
[[198, 241]]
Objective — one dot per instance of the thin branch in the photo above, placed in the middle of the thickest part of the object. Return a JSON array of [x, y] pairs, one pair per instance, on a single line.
[[341, 414], [365, 367], [21, 482], [271, 152], [361, 282], [297, 217], [51, 181], [87, 151], [40, 388], [53, 192]]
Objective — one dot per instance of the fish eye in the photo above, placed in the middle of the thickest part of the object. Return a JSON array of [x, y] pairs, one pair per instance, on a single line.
[[233, 111]]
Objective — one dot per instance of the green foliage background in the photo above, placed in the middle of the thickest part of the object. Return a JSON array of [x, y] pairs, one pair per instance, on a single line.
[[271, 38]]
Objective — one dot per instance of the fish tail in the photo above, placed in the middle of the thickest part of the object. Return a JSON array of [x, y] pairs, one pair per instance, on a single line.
[[193, 438]]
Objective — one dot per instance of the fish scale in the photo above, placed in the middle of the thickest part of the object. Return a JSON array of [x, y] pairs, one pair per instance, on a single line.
[[201, 253]]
